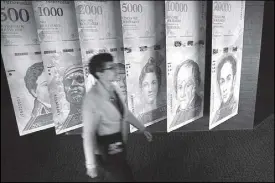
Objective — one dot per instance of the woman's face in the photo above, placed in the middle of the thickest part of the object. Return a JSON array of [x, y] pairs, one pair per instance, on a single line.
[[150, 87]]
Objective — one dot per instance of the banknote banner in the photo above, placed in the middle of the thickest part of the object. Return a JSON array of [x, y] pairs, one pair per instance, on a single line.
[[26, 75], [144, 51], [185, 56], [227, 47], [60, 47], [100, 31]]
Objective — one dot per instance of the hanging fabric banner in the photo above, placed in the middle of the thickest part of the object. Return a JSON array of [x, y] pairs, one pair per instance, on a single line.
[[227, 47], [99, 28], [185, 55], [58, 36], [24, 67], [144, 51]]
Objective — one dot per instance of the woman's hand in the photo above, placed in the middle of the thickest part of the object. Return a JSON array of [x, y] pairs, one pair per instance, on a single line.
[[148, 135], [92, 172]]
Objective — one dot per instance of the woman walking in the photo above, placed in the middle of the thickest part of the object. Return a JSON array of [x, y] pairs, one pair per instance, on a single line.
[[106, 124]]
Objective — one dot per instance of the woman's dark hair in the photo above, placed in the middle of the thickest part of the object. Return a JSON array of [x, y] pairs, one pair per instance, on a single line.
[[32, 75], [97, 63]]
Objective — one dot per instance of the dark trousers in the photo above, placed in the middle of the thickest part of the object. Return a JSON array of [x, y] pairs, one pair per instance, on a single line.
[[112, 164]]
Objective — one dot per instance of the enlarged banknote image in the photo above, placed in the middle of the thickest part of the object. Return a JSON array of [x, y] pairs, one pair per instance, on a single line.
[[185, 54], [100, 31], [24, 67], [144, 52], [185, 85], [61, 55], [227, 48], [29, 92], [146, 87], [67, 89]]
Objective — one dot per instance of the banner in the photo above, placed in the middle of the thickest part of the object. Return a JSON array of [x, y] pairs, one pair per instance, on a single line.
[[227, 47], [185, 54], [58, 36], [24, 67], [144, 51], [99, 28]]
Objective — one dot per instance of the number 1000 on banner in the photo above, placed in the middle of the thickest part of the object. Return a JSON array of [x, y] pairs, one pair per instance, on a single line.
[[45, 11]]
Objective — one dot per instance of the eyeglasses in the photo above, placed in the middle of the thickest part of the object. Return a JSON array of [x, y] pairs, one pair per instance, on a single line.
[[108, 68]]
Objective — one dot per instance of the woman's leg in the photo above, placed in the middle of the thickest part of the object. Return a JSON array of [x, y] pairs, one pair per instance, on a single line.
[[119, 170]]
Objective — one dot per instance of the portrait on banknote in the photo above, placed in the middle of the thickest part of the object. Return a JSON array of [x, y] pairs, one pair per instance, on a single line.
[[226, 80], [187, 80], [149, 85], [146, 86], [36, 83], [74, 88], [226, 84], [227, 48]]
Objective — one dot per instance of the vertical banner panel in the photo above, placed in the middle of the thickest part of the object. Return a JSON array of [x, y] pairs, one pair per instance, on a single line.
[[24, 67], [144, 51], [227, 48], [99, 28], [58, 36], [185, 45]]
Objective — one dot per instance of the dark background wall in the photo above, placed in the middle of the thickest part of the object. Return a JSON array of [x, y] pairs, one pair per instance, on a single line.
[[265, 93], [258, 27], [202, 156]]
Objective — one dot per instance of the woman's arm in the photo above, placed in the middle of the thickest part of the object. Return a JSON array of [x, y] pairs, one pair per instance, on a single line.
[[130, 118], [136, 123], [90, 121]]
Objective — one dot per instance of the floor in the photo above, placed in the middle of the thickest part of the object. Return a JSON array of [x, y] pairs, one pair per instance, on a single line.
[[245, 155]]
